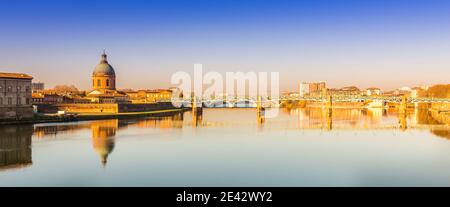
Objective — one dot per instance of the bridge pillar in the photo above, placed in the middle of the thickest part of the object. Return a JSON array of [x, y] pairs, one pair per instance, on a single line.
[[402, 113], [197, 111], [194, 104], [260, 111], [329, 112], [329, 120], [329, 104], [403, 105]]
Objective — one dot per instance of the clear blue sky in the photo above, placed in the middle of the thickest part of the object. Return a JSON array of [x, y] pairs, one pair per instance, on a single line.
[[385, 43]]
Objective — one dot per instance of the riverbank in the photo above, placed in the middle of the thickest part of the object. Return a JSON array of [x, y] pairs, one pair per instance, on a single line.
[[43, 118]]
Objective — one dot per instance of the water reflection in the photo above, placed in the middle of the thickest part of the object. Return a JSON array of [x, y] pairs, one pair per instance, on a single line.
[[376, 118], [15, 146], [441, 133], [15, 141], [103, 133], [303, 118], [197, 117]]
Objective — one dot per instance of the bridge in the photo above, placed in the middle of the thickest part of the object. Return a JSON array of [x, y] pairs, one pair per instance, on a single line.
[[389, 99], [260, 103], [338, 98]]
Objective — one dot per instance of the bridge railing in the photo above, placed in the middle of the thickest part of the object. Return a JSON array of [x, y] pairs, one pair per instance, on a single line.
[[349, 98]]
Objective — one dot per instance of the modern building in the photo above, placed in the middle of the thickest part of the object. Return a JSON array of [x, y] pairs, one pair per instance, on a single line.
[[38, 86], [15, 96], [315, 88], [303, 89]]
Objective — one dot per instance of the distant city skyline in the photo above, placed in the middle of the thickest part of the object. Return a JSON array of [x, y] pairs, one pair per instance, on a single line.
[[386, 44]]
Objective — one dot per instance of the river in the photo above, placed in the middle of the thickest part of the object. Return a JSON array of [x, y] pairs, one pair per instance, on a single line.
[[231, 147]]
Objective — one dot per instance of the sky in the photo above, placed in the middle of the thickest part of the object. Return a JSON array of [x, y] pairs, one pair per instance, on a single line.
[[383, 43]]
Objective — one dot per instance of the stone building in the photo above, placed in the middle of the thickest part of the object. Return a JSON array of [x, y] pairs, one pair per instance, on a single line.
[[15, 96], [150, 96]]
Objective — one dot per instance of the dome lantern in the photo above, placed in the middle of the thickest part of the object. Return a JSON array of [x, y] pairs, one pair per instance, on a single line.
[[104, 58]]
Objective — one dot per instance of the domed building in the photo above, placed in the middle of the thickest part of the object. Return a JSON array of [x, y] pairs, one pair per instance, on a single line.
[[104, 76], [104, 84]]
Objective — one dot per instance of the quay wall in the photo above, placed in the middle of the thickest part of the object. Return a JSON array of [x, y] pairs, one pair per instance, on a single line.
[[144, 107], [77, 108], [102, 108], [16, 112]]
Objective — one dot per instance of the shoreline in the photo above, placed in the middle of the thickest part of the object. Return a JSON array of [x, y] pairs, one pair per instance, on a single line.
[[164, 112], [93, 116]]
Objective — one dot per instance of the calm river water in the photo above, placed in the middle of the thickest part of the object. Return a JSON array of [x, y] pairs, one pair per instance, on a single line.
[[229, 147]]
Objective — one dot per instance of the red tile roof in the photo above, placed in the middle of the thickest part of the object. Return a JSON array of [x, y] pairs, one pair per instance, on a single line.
[[15, 75]]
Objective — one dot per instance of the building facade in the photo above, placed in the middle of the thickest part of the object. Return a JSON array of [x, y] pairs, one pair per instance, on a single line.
[[15, 96], [150, 96], [303, 89], [316, 88]]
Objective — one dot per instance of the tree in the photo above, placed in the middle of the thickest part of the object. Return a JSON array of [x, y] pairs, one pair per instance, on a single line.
[[66, 89], [439, 91]]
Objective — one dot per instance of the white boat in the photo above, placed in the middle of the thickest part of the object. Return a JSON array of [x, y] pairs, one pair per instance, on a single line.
[[246, 104], [223, 104]]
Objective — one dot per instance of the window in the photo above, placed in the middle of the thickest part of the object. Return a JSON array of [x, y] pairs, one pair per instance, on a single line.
[[28, 101], [99, 83], [107, 82], [27, 89], [9, 89], [18, 88], [1, 101], [9, 101], [19, 101]]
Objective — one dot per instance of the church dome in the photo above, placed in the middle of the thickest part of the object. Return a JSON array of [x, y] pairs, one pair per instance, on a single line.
[[104, 68]]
